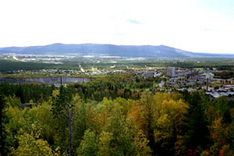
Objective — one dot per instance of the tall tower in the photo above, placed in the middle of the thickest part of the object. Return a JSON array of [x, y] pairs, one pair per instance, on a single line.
[[171, 71], [61, 80]]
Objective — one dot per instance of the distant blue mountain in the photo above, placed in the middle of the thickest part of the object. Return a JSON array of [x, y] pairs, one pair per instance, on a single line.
[[110, 50]]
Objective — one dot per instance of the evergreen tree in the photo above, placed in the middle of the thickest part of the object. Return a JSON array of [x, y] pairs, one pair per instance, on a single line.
[[197, 129], [63, 107], [2, 123]]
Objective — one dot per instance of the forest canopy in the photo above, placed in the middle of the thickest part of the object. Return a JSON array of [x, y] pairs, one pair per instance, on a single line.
[[110, 116]]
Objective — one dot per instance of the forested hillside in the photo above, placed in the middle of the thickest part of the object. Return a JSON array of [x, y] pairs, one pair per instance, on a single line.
[[113, 116]]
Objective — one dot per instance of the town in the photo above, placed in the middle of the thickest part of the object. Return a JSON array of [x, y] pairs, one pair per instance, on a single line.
[[169, 78]]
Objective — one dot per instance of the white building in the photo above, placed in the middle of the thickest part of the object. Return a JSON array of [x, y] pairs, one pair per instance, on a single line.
[[209, 76]]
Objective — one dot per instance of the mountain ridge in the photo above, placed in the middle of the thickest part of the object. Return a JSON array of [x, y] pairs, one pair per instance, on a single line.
[[157, 51]]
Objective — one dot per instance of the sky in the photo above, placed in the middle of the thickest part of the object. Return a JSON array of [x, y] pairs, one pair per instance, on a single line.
[[193, 25]]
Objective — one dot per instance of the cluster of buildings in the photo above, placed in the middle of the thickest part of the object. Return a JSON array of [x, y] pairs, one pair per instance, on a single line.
[[225, 90], [172, 73], [187, 78], [192, 80], [147, 74]]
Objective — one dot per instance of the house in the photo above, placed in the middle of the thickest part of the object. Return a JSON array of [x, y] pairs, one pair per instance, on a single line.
[[148, 74], [219, 94], [209, 76], [213, 94], [225, 81], [161, 84]]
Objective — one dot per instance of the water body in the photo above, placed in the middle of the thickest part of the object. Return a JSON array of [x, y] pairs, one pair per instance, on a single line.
[[47, 80]]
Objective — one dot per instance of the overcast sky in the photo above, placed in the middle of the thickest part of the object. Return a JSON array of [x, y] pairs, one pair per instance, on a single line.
[[194, 25]]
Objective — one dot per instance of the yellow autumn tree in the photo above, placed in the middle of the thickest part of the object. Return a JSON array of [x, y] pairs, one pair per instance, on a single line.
[[31, 144], [168, 132]]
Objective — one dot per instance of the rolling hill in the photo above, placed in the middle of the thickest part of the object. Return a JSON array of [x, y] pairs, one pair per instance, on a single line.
[[109, 50]]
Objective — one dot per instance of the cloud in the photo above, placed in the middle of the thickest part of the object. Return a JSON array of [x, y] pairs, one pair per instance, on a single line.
[[133, 21], [120, 34], [209, 29]]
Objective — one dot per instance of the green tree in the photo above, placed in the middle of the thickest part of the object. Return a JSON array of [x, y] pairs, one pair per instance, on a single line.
[[79, 122], [63, 107], [13, 101], [2, 124], [119, 127], [141, 145], [197, 130], [31, 144], [89, 145], [105, 140], [148, 111], [42, 117]]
